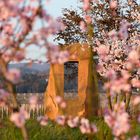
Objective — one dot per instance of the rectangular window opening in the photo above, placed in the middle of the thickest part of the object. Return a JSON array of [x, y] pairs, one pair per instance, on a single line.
[[70, 79]]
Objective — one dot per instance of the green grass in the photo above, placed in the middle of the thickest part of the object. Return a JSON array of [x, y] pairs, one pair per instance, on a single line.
[[55, 132]]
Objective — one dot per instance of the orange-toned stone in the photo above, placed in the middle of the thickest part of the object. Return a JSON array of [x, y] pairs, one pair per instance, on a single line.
[[76, 106]]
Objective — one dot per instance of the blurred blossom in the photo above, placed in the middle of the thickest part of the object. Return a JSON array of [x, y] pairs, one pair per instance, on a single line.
[[73, 122], [7, 55], [86, 5], [88, 19], [20, 55], [63, 104], [103, 50], [135, 82], [3, 97], [125, 74], [136, 137], [93, 128], [19, 118], [113, 4], [57, 56], [13, 75], [63, 57], [123, 32], [133, 56], [111, 74], [43, 120], [136, 100], [138, 118], [33, 100], [4, 12], [61, 120], [86, 127], [118, 120], [58, 99], [113, 34], [83, 26]]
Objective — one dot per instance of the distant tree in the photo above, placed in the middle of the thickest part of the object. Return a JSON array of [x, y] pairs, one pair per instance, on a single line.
[[104, 17], [72, 32]]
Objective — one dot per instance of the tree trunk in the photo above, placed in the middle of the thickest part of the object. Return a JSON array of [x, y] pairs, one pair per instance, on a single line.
[[92, 98]]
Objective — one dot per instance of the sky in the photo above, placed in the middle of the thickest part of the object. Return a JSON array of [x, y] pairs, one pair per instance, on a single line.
[[55, 6], [55, 9]]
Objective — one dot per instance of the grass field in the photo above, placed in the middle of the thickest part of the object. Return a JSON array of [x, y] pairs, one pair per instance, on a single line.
[[55, 132]]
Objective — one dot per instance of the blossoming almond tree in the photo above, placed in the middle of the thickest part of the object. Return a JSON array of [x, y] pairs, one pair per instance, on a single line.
[[118, 63], [23, 23]]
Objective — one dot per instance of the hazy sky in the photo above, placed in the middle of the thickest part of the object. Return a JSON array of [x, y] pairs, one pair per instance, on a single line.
[[55, 9], [55, 6]]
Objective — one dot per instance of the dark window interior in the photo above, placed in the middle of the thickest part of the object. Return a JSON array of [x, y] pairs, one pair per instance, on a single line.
[[71, 78]]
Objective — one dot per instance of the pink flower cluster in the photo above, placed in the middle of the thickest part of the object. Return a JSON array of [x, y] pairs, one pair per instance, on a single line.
[[87, 17], [19, 118], [136, 101], [83, 124], [86, 5], [119, 61], [33, 100], [61, 103], [113, 4], [3, 97], [13, 75], [57, 56], [117, 85], [43, 120], [86, 127], [118, 120]]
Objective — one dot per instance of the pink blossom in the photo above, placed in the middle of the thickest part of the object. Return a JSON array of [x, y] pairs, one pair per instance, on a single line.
[[33, 100], [103, 50], [113, 4], [20, 55], [111, 74], [88, 19], [63, 104], [60, 102], [19, 118], [136, 137], [125, 74], [63, 57], [3, 97], [138, 118], [133, 56], [4, 13], [57, 56], [73, 122], [85, 126], [61, 120], [93, 128], [43, 120], [13, 75], [118, 120], [86, 5], [113, 34], [135, 82], [136, 100], [7, 55], [123, 32], [58, 99], [83, 26]]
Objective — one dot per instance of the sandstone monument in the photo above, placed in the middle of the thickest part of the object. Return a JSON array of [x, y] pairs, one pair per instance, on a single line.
[[81, 54]]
